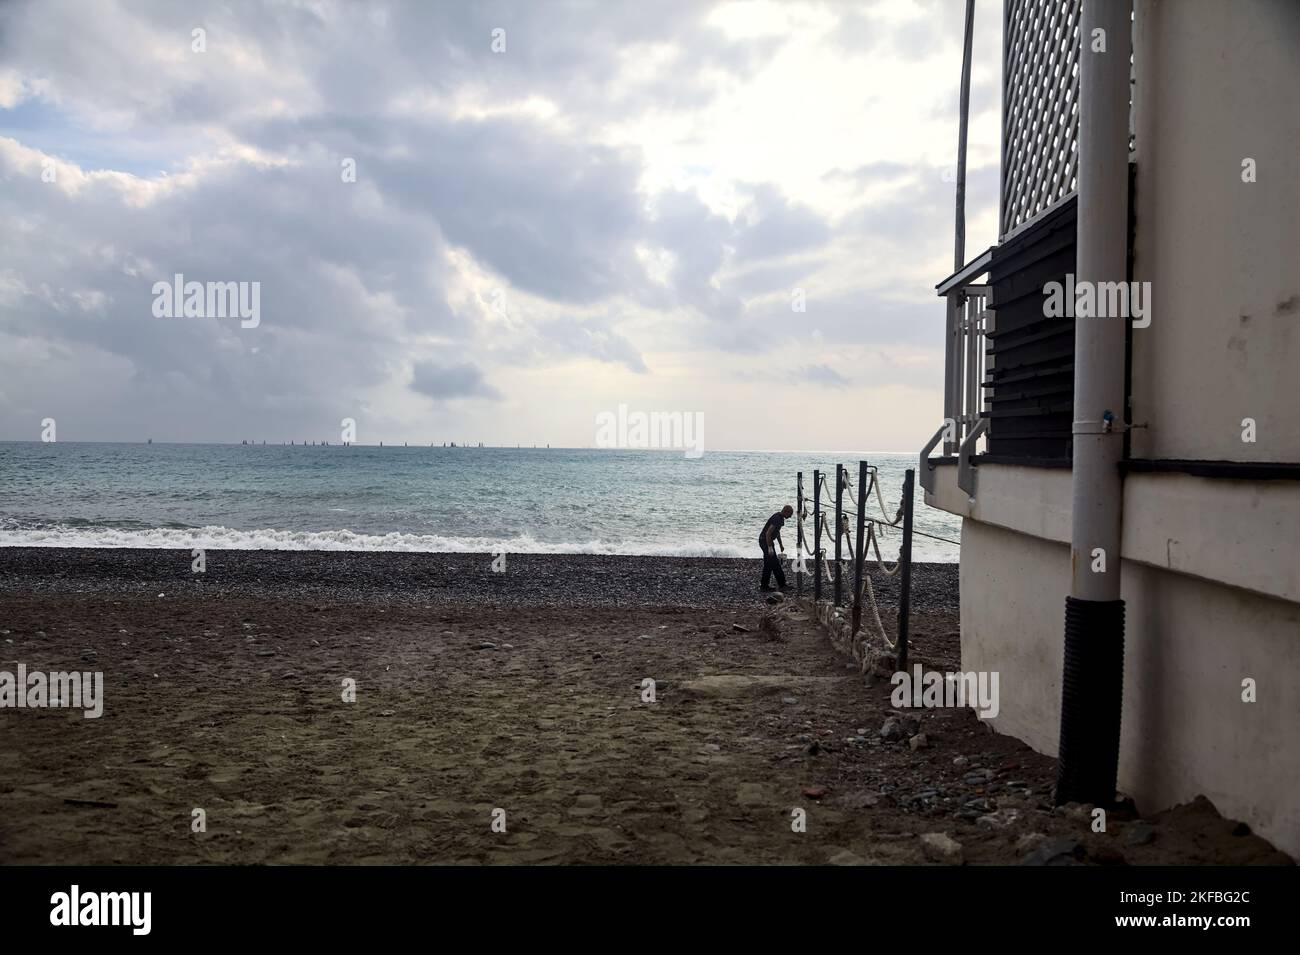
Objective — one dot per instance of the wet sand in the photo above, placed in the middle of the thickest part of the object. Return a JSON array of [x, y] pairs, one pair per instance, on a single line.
[[521, 692]]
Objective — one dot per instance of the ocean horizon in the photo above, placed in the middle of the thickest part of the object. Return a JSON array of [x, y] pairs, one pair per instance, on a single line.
[[438, 499]]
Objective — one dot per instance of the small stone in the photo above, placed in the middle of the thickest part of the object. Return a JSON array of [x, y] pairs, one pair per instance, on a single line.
[[1002, 819], [859, 801], [1076, 811], [1106, 855], [713, 747], [486, 645], [1029, 842], [814, 792], [862, 731], [738, 628], [942, 848], [892, 730], [1055, 852], [587, 801], [1140, 834], [751, 795], [790, 700], [845, 857], [960, 761], [918, 741], [507, 646]]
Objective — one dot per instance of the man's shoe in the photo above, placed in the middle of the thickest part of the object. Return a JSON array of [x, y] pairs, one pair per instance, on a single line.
[[765, 589]]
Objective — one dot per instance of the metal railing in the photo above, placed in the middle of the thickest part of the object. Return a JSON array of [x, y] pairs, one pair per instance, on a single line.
[[968, 366], [967, 363], [974, 321]]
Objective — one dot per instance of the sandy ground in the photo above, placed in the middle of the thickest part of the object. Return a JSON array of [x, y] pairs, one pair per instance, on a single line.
[[234, 705]]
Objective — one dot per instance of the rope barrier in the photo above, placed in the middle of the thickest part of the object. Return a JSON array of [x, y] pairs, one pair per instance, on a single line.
[[871, 628]]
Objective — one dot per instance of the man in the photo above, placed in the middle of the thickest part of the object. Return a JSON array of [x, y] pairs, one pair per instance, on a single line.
[[768, 540]]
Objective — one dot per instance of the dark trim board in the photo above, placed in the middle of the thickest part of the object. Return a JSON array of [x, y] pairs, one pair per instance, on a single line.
[[1233, 470], [1229, 470]]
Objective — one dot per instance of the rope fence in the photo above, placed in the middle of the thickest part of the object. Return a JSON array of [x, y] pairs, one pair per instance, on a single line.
[[833, 570]]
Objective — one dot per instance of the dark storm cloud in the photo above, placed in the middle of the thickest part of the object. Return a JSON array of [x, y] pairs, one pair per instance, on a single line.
[[776, 226], [442, 382]]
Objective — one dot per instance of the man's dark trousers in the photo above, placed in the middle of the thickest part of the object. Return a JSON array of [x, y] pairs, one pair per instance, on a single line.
[[772, 565]]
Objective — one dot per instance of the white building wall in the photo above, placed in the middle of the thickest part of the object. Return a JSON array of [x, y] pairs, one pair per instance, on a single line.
[[1189, 644], [1216, 83], [1185, 728]]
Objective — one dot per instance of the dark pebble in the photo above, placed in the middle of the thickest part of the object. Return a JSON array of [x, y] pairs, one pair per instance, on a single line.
[[400, 578]]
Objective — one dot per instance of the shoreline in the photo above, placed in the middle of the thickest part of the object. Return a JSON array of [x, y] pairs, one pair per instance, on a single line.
[[565, 580]]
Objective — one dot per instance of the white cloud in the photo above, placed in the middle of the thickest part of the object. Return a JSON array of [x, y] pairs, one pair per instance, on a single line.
[[642, 184]]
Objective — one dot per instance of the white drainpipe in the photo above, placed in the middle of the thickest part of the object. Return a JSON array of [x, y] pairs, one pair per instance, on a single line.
[[1092, 688]]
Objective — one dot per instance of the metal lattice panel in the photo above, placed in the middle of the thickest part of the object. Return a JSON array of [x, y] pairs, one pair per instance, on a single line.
[[1040, 107]]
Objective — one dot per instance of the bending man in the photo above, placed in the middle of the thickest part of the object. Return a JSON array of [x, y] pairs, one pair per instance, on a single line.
[[768, 540]]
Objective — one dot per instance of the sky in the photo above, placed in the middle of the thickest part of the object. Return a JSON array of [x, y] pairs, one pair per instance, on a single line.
[[486, 222]]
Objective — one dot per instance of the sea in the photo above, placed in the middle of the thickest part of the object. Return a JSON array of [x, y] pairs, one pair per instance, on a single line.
[[440, 499]]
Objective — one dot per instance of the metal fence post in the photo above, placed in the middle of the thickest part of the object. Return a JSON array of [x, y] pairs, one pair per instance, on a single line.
[[839, 525], [817, 535], [905, 580], [799, 545], [860, 551]]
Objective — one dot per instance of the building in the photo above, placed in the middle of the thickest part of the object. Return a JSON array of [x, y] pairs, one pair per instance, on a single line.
[[1171, 437]]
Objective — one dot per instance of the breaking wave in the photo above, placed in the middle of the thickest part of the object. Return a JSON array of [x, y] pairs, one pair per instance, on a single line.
[[224, 538]]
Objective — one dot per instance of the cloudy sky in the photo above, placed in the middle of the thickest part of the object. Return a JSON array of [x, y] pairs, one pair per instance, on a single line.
[[618, 204]]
